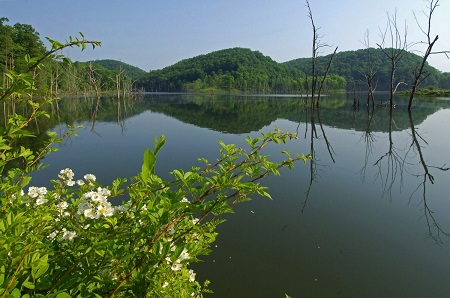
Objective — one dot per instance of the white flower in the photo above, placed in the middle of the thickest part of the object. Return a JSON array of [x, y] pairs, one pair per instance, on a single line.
[[90, 178], [195, 221], [184, 255], [144, 207], [106, 209], [38, 193], [68, 235], [80, 182], [41, 200], [52, 235], [184, 200], [35, 192], [191, 275], [83, 206], [165, 284], [62, 206], [66, 174], [90, 213], [104, 191], [95, 204], [176, 266]]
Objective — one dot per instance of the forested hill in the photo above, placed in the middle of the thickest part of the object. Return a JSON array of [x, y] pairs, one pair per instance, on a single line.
[[132, 71], [351, 65], [233, 70]]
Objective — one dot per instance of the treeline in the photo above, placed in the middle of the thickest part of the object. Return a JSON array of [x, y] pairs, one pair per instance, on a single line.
[[352, 64], [57, 77], [236, 70], [231, 70]]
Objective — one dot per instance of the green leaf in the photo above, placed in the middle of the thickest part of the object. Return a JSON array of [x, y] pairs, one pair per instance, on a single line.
[[39, 267], [27, 284], [63, 295], [159, 143], [148, 167], [2, 274], [14, 294]]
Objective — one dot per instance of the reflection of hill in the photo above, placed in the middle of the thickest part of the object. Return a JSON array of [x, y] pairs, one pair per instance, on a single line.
[[243, 114]]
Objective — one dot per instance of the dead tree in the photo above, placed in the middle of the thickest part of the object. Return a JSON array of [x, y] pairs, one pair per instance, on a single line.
[[369, 71], [317, 45], [397, 48], [419, 74]]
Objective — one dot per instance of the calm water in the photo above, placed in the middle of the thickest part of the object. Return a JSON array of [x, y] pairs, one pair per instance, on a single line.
[[362, 220]]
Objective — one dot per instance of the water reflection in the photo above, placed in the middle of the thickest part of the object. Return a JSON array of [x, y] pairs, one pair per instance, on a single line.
[[310, 113], [246, 114], [435, 229], [355, 210], [404, 159]]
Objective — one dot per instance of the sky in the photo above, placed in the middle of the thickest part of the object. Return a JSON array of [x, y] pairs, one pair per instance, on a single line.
[[153, 34]]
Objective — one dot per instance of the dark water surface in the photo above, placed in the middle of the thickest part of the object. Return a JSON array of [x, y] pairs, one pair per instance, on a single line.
[[367, 218]]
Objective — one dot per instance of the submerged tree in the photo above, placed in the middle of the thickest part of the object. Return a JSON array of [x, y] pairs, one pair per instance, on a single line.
[[369, 71], [419, 75], [394, 45], [317, 82]]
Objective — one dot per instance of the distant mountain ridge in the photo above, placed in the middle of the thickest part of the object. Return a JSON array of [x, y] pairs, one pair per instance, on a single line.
[[351, 65], [115, 65], [245, 70], [232, 70]]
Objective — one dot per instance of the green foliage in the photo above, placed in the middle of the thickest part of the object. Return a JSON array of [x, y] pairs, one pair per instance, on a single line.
[[231, 70], [70, 241], [352, 64], [20, 44], [132, 71]]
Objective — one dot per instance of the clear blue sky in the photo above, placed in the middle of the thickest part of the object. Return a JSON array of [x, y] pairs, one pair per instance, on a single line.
[[152, 34]]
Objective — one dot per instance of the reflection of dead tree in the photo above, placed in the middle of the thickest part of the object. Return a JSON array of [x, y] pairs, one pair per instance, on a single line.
[[369, 139], [329, 147], [394, 52], [419, 75], [314, 159], [394, 163], [316, 87], [434, 229]]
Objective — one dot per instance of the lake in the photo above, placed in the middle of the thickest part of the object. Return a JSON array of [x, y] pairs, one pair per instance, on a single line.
[[367, 217]]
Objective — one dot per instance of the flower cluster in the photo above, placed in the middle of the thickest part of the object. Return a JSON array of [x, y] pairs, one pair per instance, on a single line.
[[90, 179], [95, 204], [61, 207], [38, 193], [66, 175], [66, 235]]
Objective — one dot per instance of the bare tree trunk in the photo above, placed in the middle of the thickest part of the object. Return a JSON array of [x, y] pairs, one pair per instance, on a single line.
[[395, 52], [316, 46], [430, 43]]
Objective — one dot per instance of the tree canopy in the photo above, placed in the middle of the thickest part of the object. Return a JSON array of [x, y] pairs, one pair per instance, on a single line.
[[235, 70], [352, 64]]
